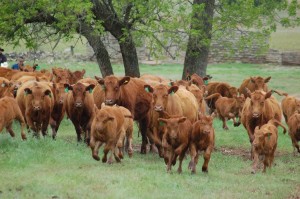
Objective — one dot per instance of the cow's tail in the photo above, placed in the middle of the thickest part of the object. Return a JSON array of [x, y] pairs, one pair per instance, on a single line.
[[280, 93], [277, 123]]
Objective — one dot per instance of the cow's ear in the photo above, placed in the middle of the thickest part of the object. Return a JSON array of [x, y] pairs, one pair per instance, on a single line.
[[267, 79], [83, 71], [27, 91], [252, 80], [269, 94], [95, 108], [182, 119], [148, 88], [173, 89], [90, 88], [99, 80], [124, 81], [267, 134], [68, 87], [48, 92]]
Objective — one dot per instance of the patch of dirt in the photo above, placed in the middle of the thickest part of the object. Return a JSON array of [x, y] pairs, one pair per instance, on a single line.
[[240, 152], [295, 194]]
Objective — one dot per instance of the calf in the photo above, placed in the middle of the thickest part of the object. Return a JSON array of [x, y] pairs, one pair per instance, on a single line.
[[254, 83], [258, 110], [175, 140], [265, 143], [35, 100], [79, 108], [289, 105], [6, 88], [107, 127], [202, 139], [9, 110], [294, 130], [228, 108]]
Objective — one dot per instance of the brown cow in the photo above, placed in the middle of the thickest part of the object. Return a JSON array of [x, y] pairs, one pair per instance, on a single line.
[[9, 110], [202, 139], [199, 93], [76, 76], [254, 83], [107, 127], [222, 88], [294, 129], [60, 94], [130, 93], [289, 105], [79, 108], [175, 140], [228, 108], [265, 143], [35, 100], [258, 110], [197, 80], [61, 75], [47, 76]]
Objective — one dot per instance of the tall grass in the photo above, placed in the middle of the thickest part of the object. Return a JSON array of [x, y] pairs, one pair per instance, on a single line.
[[65, 169]]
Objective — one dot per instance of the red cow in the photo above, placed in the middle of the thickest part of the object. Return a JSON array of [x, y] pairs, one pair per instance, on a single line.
[[130, 93], [254, 83], [289, 105]]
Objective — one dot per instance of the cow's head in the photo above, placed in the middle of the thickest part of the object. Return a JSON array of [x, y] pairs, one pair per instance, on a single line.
[[112, 87], [260, 83], [60, 92], [160, 95], [206, 123], [102, 117], [172, 125], [259, 136], [61, 75], [297, 102], [197, 92], [258, 99], [38, 95], [76, 75], [6, 88], [233, 91], [79, 91]]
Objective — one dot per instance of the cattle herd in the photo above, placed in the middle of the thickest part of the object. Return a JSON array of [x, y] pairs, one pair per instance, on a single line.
[[174, 117]]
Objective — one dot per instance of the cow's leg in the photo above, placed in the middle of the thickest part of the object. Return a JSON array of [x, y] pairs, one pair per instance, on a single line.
[[225, 127], [9, 129], [116, 154], [53, 125], [95, 149], [193, 154], [106, 150], [295, 143], [170, 159], [206, 156], [266, 162], [255, 161], [78, 132], [143, 128], [181, 156], [120, 144], [129, 142], [21, 120]]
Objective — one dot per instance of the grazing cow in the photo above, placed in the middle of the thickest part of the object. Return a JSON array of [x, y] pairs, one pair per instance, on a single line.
[[289, 105], [265, 143], [6, 88], [60, 94], [202, 139], [107, 127], [258, 110], [224, 89], [79, 108], [254, 83], [9, 110], [228, 108], [130, 93], [294, 130], [35, 100], [175, 140]]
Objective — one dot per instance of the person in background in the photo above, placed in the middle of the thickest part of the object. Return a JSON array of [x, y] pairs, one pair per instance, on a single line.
[[19, 65], [2, 57]]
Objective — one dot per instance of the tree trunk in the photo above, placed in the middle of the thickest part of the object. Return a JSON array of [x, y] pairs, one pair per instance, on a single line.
[[196, 57], [130, 58], [101, 53]]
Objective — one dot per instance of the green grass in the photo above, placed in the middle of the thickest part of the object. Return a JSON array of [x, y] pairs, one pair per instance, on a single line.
[[50, 169], [286, 39]]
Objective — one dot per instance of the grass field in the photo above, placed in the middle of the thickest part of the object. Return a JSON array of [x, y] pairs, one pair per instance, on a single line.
[[64, 169]]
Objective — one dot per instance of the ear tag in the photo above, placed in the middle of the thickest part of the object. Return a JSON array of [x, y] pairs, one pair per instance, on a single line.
[[3, 85], [37, 67], [206, 82], [66, 89], [172, 93], [25, 93], [269, 136], [161, 123], [90, 90], [103, 87], [147, 89], [50, 95]]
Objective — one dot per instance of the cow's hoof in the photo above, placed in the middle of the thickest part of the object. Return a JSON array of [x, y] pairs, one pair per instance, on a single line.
[[96, 157]]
